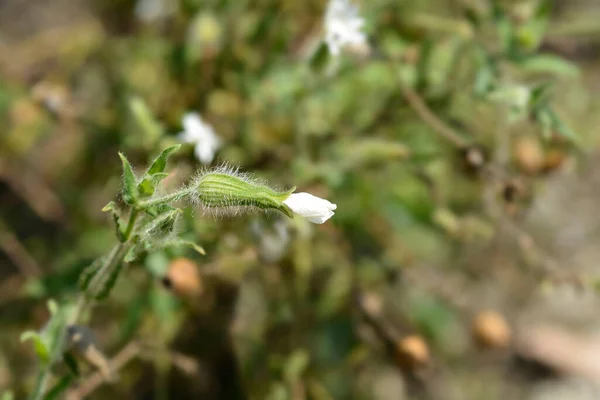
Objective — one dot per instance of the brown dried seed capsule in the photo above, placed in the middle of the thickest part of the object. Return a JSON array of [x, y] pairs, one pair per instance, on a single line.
[[513, 190], [183, 278], [490, 329], [412, 351], [529, 155]]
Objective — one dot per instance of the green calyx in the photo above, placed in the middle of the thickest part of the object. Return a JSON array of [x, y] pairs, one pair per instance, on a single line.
[[226, 190]]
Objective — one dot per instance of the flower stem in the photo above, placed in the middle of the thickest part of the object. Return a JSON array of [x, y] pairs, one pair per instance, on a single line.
[[115, 256], [166, 198]]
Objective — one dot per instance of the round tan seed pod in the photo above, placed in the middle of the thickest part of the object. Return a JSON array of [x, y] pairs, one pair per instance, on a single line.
[[529, 155], [554, 159], [412, 351], [490, 330], [183, 278]]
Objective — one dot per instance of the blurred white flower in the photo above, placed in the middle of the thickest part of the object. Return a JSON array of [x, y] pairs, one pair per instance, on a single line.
[[313, 208], [273, 239], [153, 10], [202, 135], [343, 26]]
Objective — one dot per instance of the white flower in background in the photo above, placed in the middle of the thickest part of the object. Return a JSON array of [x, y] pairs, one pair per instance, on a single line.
[[202, 135], [343, 26], [154, 10], [313, 208]]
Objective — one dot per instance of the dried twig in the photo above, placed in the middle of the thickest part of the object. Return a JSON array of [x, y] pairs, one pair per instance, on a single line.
[[128, 353], [10, 244], [33, 190], [429, 117], [132, 350]]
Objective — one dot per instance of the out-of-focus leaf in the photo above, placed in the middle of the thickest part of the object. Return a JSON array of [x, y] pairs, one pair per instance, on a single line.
[[130, 194], [151, 129], [295, 365], [61, 386], [41, 350], [116, 215], [319, 58], [549, 63], [173, 242], [8, 395]]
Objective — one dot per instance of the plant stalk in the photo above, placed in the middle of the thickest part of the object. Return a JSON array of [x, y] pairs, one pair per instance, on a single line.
[[115, 256]]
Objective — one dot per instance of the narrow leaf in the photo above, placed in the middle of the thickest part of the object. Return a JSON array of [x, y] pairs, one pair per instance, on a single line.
[[129, 181], [61, 386], [38, 344], [159, 164]]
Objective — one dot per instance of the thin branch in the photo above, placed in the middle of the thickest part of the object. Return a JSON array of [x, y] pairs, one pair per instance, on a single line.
[[10, 244], [94, 381], [429, 117], [31, 187]]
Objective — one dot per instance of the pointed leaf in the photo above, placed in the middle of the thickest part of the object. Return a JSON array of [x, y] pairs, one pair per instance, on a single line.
[[159, 164], [549, 63], [129, 182], [38, 344], [57, 390], [132, 254], [146, 187], [88, 273], [181, 242], [109, 207]]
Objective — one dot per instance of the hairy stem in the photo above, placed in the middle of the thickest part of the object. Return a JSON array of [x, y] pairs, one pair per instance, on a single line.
[[115, 256]]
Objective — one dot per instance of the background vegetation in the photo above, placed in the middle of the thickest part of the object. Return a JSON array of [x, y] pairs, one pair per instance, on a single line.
[[462, 262]]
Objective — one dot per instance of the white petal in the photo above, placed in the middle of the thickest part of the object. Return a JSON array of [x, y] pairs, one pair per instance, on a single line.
[[205, 154], [313, 208]]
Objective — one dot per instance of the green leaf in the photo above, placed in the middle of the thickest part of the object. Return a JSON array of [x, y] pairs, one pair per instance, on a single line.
[[181, 242], [133, 253], [52, 307], [295, 365], [7, 396], [319, 58], [71, 363], [129, 182], [562, 128], [540, 96], [159, 164], [549, 63], [552, 124], [109, 282], [39, 346], [109, 207], [116, 215], [146, 187], [88, 273], [61, 386]]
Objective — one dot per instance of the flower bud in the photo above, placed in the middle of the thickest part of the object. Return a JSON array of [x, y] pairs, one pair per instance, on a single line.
[[313, 208], [226, 190]]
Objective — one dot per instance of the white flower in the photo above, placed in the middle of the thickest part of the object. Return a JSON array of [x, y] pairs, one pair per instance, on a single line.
[[313, 208], [202, 135], [343, 26], [154, 10]]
